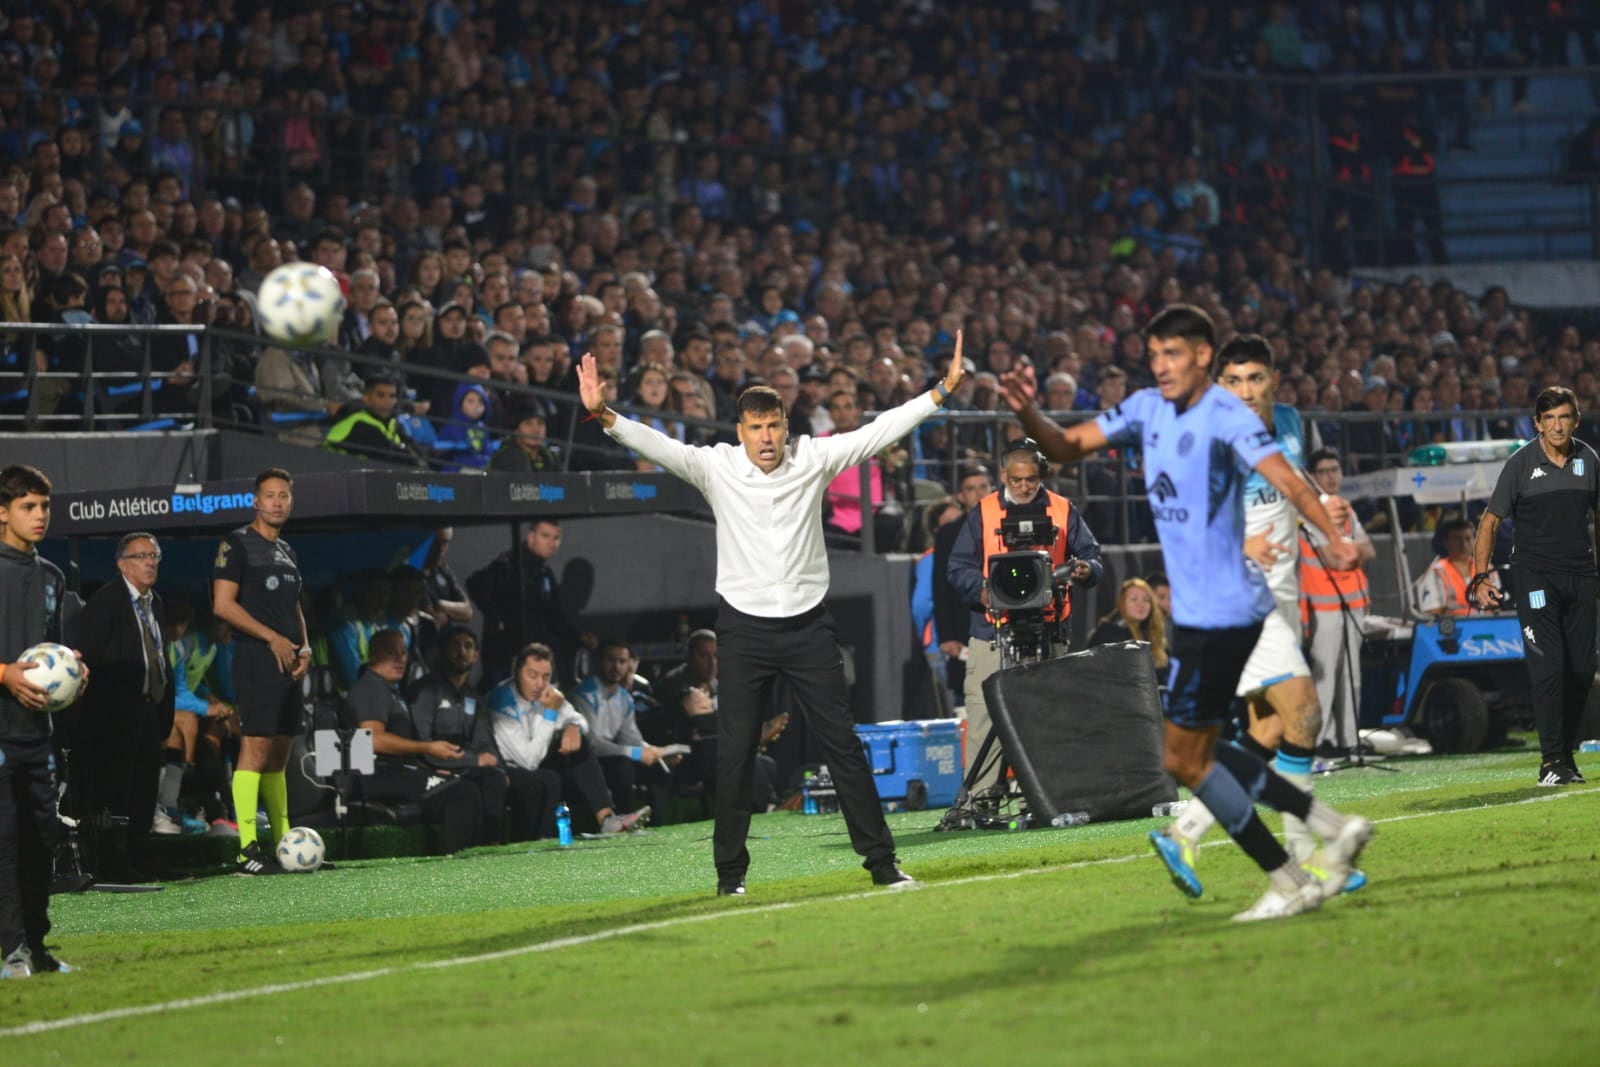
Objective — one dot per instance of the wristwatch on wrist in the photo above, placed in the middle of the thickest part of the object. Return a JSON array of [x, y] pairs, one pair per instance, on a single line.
[[943, 390]]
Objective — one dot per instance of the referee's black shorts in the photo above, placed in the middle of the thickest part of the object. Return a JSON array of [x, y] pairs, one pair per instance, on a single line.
[[269, 699], [1204, 671]]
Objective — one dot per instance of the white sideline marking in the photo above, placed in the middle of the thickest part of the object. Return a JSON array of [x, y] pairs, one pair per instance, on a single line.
[[72, 1021]]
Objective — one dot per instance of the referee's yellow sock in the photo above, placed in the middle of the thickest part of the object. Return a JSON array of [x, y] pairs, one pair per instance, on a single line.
[[275, 795], [246, 793]]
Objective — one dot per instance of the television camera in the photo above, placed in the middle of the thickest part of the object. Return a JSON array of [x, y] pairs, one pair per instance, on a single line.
[[1023, 583]]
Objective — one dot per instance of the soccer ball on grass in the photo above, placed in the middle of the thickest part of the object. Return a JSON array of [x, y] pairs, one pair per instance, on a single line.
[[301, 850], [301, 304], [57, 670]]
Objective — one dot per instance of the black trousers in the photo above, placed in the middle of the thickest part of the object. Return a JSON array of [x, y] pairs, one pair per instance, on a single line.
[[28, 836], [531, 800], [623, 776], [580, 768], [493, 786], [753, 654], [1557, 613], [123, 744]]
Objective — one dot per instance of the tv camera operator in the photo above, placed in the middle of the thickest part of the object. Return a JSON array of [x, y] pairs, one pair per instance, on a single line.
[[1010, 565]]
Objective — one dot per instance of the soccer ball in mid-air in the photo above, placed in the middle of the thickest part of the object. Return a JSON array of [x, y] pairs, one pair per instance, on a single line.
[[301, 304], [57, 670], [301, 850]]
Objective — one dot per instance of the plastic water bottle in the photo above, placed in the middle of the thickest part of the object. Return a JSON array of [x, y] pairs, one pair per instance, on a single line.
[[563, 825], [1590, 746], [1071, 818], [1162, 811], [809, 802]]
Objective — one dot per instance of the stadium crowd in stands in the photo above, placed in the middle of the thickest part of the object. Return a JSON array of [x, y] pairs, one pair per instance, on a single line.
[[759, 191], [812, 195]]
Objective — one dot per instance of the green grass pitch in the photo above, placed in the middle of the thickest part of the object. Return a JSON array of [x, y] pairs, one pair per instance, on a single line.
[[1470, 946]]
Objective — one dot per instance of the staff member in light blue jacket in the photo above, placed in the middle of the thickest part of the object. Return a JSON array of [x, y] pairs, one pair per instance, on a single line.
[[529, 714], [607, 706]]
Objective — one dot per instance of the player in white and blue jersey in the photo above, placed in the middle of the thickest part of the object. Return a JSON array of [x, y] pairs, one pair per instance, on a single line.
[[1200, 444], [1284, 714]]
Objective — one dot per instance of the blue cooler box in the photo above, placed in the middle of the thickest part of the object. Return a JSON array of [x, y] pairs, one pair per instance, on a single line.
[[927, 752]]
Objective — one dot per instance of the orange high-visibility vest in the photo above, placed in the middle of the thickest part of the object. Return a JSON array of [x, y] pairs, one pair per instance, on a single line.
[[1322, 589], [990, 515], [1456, 585]]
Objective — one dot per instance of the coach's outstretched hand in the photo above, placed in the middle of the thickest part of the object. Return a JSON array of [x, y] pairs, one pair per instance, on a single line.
[[592, 391], [957, 371]]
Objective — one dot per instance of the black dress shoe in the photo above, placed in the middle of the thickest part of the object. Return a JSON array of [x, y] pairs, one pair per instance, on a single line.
[[730, 889], [890, 876]]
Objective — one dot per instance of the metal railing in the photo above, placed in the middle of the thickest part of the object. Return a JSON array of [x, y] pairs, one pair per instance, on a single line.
[[1108, 485], [22, 388]]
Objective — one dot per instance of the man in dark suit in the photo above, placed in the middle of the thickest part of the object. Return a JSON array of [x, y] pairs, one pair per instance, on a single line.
[[128, 714]]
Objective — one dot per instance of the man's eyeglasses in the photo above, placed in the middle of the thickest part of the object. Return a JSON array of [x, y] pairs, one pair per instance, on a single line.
[[144, 557]]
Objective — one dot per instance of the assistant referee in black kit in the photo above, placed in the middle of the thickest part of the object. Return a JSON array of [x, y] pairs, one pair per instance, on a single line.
[[772, 575], [255, 588], [1550, 489]]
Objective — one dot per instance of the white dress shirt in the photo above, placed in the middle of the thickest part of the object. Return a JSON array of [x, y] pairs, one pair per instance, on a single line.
[[771, 561]]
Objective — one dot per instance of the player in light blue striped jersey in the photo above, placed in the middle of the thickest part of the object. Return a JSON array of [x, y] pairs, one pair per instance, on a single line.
[[1282, 701], [1200, 444]]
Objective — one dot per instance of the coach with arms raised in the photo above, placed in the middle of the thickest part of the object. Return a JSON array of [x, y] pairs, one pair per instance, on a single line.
[[772, 576], [1549, 488]]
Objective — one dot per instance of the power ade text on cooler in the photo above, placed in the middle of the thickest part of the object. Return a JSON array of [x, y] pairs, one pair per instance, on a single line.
[[138, 507]]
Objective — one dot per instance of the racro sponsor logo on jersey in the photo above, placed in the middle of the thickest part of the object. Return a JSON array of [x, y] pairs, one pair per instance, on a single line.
[[1163, 490]]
